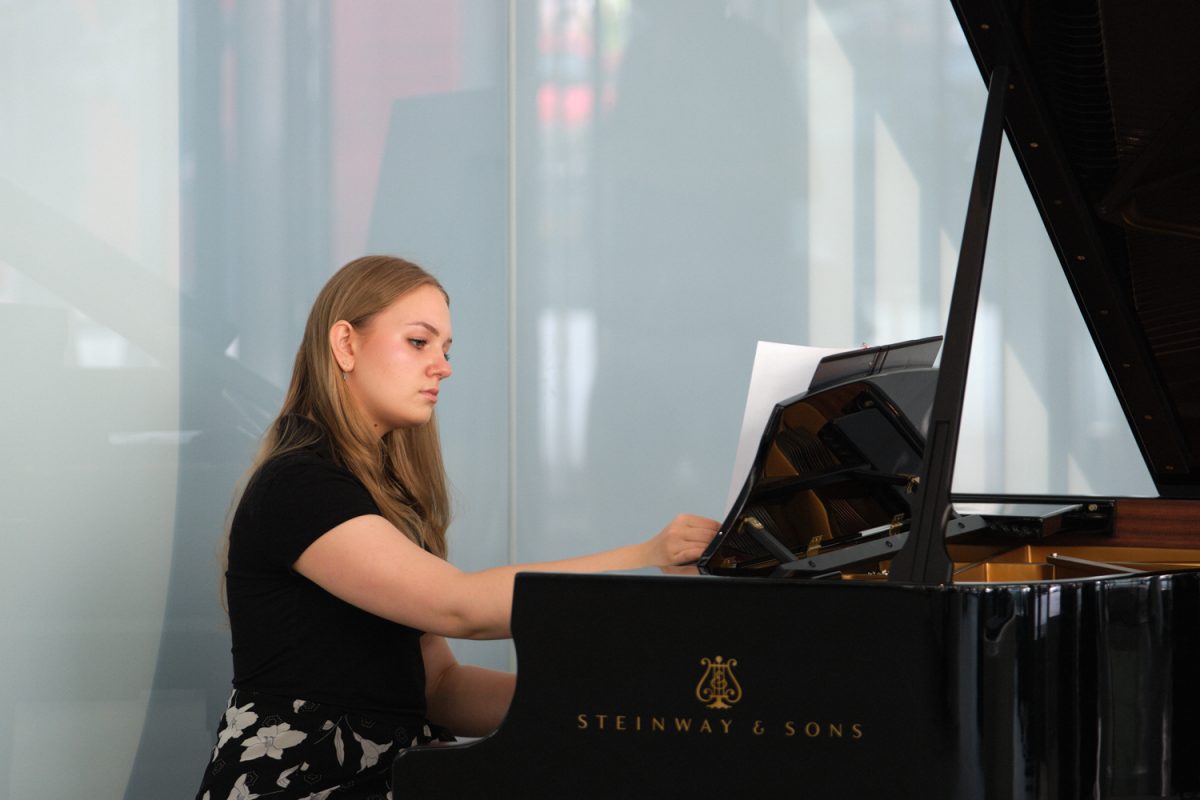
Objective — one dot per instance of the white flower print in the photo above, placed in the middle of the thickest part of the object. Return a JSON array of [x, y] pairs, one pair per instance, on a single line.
[[285, 777], [236, 722], [339, 747], [271, 741], [241, 791], [296, 704], [371, 752]]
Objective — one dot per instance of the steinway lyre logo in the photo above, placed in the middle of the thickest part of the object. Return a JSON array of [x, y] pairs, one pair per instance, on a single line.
[[718, 687]]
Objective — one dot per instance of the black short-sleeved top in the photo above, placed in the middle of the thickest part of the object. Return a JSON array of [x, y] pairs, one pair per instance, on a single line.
[[290, 637]]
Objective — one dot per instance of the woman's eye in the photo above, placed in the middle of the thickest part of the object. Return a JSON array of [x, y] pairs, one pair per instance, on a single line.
[[417, 343]]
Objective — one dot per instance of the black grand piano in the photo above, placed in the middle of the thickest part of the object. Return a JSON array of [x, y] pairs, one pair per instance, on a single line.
[[861, 633]]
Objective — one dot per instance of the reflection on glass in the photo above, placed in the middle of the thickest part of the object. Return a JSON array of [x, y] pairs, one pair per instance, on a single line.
[[835, 466]]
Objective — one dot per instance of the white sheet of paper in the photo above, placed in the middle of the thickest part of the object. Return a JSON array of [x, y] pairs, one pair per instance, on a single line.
[[780, 371]]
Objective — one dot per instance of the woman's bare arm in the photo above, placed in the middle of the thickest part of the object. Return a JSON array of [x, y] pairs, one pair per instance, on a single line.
[[467, 700], [368, 563]]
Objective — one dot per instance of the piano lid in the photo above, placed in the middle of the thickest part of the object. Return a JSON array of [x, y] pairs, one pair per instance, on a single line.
[[1103, 115]]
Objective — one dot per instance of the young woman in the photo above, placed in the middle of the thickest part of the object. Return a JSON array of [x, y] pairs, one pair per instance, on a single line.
[[339, 594]]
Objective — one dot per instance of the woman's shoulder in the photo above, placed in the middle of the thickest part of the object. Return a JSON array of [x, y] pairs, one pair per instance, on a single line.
[[291, 462], [305, 453], [305, 478], [295, 495]]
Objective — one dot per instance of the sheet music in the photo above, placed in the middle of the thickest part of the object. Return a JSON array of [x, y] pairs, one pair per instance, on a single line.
[[780, 371]]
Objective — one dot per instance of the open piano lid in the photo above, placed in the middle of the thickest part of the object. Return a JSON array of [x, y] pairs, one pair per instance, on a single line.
[[1103, 114]]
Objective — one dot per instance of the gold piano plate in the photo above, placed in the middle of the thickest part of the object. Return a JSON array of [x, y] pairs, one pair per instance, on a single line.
[[1056, 562]]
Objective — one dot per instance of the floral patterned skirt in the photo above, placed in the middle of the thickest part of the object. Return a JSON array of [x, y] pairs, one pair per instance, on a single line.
[[272, 747]]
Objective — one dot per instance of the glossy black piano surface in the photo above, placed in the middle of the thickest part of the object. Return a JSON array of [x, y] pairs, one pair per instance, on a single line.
[[1077, 689], [1058, 657]]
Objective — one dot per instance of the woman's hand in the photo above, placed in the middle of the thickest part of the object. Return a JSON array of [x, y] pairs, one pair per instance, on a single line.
[[682, 541]]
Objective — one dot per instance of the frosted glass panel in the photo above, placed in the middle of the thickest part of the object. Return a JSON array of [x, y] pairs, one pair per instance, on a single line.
[[694, 177], [89, 415]]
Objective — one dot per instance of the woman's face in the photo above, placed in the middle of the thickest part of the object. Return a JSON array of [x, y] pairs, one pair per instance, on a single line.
[[397, 359]]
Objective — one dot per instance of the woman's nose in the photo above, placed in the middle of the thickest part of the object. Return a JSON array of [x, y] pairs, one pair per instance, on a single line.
[[441, 368]]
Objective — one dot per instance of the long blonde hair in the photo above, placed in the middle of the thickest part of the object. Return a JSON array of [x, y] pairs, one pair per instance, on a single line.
[[403, 470]]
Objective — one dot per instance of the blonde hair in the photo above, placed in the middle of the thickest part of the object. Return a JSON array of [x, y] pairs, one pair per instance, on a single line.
[[402, 470]]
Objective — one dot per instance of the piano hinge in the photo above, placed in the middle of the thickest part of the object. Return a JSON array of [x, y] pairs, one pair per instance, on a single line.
[[814, 547], [895, 524], [752, 522], [913, 482]]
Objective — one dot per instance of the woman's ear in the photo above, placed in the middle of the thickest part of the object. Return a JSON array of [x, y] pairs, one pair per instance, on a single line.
[[341, 341]]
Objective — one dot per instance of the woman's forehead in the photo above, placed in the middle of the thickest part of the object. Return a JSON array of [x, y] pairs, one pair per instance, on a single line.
[[425, 306]]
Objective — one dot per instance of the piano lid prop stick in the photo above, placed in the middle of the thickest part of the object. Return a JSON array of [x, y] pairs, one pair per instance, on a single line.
[[924, 558]]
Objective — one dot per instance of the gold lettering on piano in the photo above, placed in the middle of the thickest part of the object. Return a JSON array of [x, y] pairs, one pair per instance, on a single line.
[[718, 689], [636, 723], [718, 686], [830, 730]]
